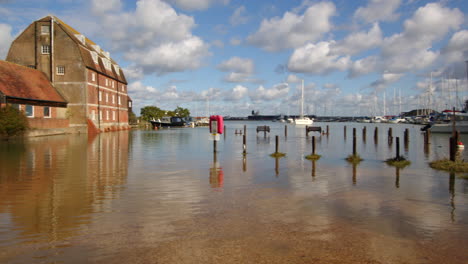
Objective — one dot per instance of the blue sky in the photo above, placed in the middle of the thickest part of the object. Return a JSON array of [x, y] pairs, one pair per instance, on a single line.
[[230, 57]]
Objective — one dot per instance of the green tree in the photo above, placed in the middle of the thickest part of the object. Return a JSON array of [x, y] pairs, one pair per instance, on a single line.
[[132, 118], [181, 112], [12, 121], [151, 112]]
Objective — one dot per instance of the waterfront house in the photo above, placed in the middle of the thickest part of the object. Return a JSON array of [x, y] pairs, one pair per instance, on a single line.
[[30, 91], [90, 81]]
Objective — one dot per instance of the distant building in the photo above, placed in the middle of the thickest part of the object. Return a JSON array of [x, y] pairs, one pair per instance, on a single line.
[[30, 91], [85, 75]]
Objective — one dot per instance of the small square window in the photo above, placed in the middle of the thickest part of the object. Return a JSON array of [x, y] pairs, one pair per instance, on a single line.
[[47, 112], [45, 49], [45, 30], [60, 70], [29, 111]]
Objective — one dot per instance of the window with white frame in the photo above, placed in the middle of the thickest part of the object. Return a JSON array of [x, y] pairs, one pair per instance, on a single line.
[[107, 82], [129, 103], [45, 49], [47, 113], [29, 109], [107, 97], [45, 30], [94, 55], [93, 115], [100, 96], [113, 115], [93, 77], [119, 100], [113, 83], [113, 99], [107, 112], [100, 115], [60, 70]]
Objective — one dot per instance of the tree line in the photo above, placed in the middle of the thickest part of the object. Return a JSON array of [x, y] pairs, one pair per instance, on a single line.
[[148, 113]]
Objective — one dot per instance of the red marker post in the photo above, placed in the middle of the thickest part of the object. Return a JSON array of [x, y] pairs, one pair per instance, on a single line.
[[216, 128]]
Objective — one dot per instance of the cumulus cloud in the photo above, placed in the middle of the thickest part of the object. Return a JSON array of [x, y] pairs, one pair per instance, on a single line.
[[385, 80], [238, 17], [240, 69], [364, 66], [410, 50], [358, 42], [378, 10], [278, 91], [196, 4], [292, 78], [5, 39], [100, 7], [235, 41], [237, 93], [157, 43], [293, 30], [457, 47], [317, 59]]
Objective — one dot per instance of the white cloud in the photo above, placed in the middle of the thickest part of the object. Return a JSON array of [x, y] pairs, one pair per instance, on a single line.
[[236, 64], [358, 42], [278, 91], [237, 93], [378, 10], [292, 78], [217, 43], [317, 59], [5, 39], [364, 66], [235, 41], [410, 50], [196, 4], [238, 16], [457, 47], [385, 80], [159, 43], [293, 30], [100, 7]]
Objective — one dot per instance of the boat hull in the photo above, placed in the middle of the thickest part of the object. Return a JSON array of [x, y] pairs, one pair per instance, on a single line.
[[303, 121]]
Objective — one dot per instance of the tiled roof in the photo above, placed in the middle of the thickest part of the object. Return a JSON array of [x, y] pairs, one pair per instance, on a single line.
[[28, 84], [86, 48]]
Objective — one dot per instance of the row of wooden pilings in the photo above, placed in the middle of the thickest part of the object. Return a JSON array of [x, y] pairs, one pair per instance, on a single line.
[[427, 135]]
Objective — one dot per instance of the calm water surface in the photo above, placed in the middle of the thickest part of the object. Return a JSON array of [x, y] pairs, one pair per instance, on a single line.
[[163, 197]]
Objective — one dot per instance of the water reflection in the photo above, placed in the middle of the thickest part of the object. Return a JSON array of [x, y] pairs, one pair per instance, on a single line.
[[51, 186], [216, 173]]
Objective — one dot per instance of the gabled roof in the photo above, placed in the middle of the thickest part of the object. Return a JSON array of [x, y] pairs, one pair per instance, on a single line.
[[26, 85], [87, 47]]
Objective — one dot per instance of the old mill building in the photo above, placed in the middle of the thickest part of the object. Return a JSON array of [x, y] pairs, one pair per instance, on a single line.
[[90, 81]]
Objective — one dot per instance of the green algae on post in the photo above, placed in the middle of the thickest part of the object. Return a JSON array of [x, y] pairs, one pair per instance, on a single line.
[[355, 159], [400, 162], [448, 165], [313, 157], [277, 155]]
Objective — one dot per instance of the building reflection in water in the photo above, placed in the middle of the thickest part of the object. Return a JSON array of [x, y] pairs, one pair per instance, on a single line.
[[50, 185]]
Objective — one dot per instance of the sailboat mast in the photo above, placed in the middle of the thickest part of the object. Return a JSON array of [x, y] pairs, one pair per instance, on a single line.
[[302, 99]]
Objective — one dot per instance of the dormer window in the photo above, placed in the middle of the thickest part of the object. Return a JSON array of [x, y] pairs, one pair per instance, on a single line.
[[107, 64], [97, 48], [117, 69], [94, 56]]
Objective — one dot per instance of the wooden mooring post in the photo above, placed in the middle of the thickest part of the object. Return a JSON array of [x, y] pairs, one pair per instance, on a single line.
[[354, 142], [244, 145], [364, 134], [427, 137], [397, 148], [276, 144], [376, 135], [344, 132], [285, 131], [245, 129], [313, 145], [312, 129], [390, 136]]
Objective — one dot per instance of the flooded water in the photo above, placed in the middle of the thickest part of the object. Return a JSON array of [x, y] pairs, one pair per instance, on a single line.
[[162, 197]]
